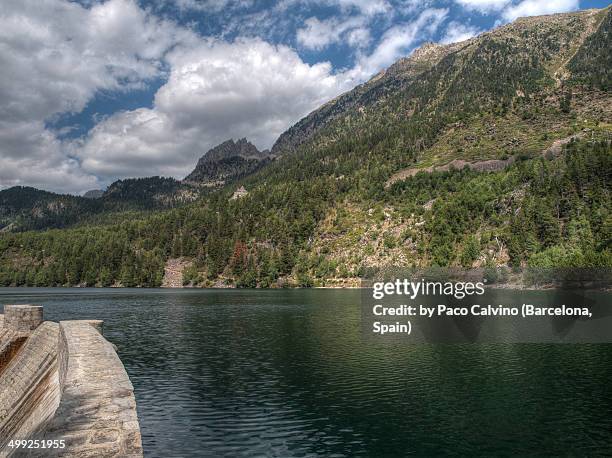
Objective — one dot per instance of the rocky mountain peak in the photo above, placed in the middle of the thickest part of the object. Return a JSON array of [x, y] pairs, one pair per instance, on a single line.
[[230, 148], [227, 161]]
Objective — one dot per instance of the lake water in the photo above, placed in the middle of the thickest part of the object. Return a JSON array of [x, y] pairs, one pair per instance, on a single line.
[[287, 373]]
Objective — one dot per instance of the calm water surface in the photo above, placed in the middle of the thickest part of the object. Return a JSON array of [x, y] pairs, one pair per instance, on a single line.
[[287, 373]]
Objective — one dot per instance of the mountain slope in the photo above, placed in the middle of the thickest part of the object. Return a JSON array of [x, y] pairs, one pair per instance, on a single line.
[[507, 67], [148, 193], [528, 95], [592, 62], [25, 208], [387, 82]]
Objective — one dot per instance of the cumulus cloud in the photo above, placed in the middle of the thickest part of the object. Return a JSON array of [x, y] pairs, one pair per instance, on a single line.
[[537, 7], [216, 90], [55, 56], [456, 32], [32, 156]]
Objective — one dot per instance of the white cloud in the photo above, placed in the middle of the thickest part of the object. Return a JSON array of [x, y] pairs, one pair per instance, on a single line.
[[538, 7], [358, 38], [397, 42], [215, 91], [317, 34], [483, 6], [366, 7], [55, 56], [409, 7], [456, 32], [512, 9], [212, 5], [32, 156]]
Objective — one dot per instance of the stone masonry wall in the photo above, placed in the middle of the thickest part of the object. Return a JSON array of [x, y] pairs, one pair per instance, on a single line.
[[29, 390], [22, 318], [65, 382], [10, 343]]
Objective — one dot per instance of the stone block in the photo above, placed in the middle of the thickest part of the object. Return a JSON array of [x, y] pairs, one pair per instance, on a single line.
[[23, 318]]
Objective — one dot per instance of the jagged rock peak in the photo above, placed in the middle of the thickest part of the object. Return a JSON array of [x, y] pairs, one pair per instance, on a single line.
[[227, 161], [231, 148]]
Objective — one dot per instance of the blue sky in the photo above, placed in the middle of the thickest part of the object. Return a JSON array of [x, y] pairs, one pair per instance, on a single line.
[[93, 91]]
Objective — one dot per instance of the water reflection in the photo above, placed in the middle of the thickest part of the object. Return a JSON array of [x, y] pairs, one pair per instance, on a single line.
[[288, 373]]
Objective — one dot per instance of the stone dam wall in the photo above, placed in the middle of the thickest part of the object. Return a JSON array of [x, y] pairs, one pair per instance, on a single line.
[[64, 382]]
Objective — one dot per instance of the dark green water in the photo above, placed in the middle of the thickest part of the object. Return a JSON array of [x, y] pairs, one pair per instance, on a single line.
[[287, 373]]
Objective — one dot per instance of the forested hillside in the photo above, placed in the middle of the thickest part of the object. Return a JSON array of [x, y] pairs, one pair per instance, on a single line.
[[24, 208], [526, 108]]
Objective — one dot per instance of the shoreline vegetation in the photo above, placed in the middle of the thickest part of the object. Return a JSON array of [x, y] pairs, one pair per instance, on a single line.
[[500, 278], [513, 287]]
